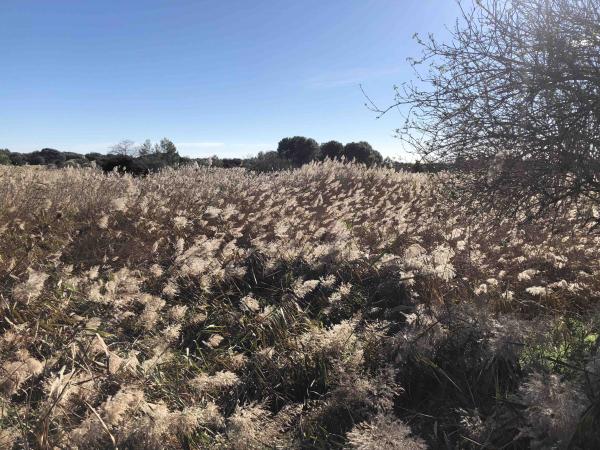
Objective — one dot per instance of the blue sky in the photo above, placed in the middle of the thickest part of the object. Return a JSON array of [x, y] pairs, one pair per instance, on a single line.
[[225, 77]]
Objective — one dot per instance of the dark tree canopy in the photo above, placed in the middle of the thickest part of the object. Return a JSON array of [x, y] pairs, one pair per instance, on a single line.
[[52, 156], [169, 151], [37, 160], [17, 159], [332, 150], [514, 97], [362, 152], [150, 157], [146, 148], [166, 146], [267, 162], [298, 149], [5, 157]]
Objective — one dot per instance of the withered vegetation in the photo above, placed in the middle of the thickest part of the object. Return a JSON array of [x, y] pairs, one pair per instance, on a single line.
[[329, 306]]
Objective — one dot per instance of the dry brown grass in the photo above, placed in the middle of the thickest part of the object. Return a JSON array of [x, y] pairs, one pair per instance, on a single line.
[[322, 307]]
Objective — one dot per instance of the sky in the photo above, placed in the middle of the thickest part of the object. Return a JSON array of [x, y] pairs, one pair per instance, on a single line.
[[224, 77]]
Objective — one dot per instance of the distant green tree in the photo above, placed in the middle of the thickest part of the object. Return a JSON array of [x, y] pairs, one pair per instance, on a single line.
[[5, 157], [94, 156], [332, 150], [145, 149], [72, 155], [298, 149], [169, 151], [51, 156], [17, 159], [362, 152], [37, 160], [267, 162]]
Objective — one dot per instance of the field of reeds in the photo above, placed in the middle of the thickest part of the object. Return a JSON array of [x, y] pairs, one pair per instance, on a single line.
[[332, 306]]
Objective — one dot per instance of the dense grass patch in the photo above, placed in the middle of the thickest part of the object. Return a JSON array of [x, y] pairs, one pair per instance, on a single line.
[[329, 306]]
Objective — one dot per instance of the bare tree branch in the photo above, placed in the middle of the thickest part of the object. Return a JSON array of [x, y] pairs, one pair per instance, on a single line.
[[513, 103]]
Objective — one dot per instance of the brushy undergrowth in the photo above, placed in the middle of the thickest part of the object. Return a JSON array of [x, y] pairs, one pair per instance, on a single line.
[[332, 306]]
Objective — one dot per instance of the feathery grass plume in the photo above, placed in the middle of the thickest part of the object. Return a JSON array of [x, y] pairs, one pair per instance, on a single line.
[[538, 291], [383, 432], [103, 222], [99, 427], [32, 288], [222, 380], [9, 436], [151, 313], [250, 427], [119, 204], [249, 303], [302, 288], [72, 388], [14, 373], [177, 312], [214, 341], [554, 408]]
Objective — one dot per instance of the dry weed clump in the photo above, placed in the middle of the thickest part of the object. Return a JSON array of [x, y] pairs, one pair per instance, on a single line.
[[330, 306]]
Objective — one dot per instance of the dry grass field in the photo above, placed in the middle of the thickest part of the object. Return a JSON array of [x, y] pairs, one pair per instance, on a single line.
[[332, 306]]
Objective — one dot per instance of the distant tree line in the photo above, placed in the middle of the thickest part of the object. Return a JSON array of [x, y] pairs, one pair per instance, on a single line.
[[124, 157], [149, 157]]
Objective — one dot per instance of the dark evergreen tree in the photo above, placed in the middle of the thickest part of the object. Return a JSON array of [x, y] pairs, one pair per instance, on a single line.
[[362, 152], [332, 150], [298, 149]]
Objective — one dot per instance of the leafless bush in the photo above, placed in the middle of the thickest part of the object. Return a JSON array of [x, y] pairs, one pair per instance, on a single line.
[[511, 102]]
